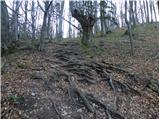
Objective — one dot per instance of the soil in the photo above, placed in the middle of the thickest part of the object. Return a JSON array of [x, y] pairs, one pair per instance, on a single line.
[[37, 84]]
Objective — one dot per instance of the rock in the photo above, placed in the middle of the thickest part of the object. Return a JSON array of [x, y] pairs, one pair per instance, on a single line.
[[38, 75], [33, 94]]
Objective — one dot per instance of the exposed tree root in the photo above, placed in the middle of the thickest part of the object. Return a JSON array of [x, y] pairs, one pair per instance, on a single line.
[[87, 99], [81, 95], [88, 80]]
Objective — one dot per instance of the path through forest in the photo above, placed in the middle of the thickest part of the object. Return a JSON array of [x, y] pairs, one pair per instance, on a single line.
[[67, 81]]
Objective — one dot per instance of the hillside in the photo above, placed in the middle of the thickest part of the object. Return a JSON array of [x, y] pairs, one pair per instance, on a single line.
[[69, 80]]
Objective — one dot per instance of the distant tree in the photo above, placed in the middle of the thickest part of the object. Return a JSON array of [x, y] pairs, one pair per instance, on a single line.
[[96, 26], [142, 13], [155, 12], [49, 24], [5, 40], [26, 19], [151, 10], [102, 16], [61, 20], [15, 22], [33, 19], [129, 22], [145, 12], [135, 11], [147, 8], [158, 4]]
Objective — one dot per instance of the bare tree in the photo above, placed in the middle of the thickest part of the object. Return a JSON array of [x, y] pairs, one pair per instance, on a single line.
[[151, 10], [155, 12], [25, 23], [44, 25], [128, 22], [4, 26], [33, 19], [15, 25], [61, 20], [142, 13], [135, 11], [147, 17], [84, 12]]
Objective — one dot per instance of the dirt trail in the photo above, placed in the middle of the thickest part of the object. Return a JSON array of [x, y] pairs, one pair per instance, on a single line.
[[63, 83]]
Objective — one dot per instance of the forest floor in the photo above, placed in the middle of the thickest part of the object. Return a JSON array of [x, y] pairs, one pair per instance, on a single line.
[[71, 81]]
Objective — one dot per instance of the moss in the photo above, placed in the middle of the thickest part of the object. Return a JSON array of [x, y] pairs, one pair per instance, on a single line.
[[22, 65], [15, 98]]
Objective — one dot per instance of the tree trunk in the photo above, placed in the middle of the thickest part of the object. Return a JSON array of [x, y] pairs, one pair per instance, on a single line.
[[61, 20], [44, 27], [43, 33], [70, 30], [135, 9], [15, 22], [33, 20], [87, 35], [96, 29], [131, 13], [87, 22], [147, 11], [4, 26], [48, 25], [102, 18], [151, 10], [142, 14], [154, 12], [126, 21], [25, 23]]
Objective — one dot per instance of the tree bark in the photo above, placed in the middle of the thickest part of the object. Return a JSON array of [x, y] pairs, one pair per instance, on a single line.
[[142, 14], [135, 10], [44, 26], [154, 10], [147, 11], [87, 34], [151, 10], [4, 26], [33, 20], [102, 17], [25, 23], [87, 22]]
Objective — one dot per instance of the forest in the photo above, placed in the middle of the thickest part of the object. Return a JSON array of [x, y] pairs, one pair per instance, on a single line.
[[79, 59]]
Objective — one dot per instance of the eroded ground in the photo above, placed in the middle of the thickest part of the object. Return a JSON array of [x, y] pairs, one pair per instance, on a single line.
[[69, 81]]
